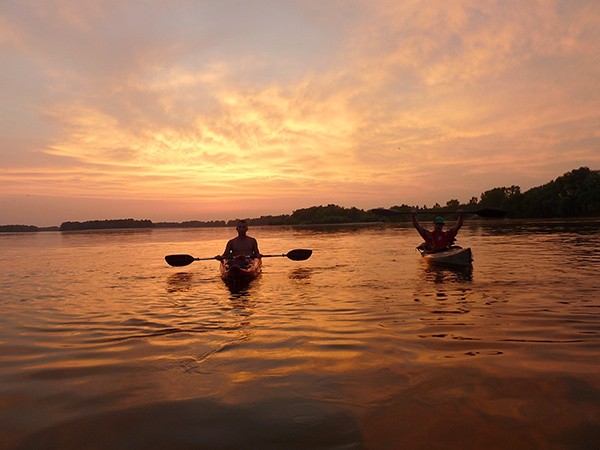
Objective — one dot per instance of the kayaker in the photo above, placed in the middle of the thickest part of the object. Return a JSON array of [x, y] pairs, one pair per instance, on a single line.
[[242, 245], [438, 238]]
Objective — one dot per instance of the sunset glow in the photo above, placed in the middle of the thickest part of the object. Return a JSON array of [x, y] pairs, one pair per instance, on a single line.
[[216, 110]]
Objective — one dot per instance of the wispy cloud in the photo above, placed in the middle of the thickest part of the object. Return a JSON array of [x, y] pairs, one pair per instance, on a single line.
[[361, 103]]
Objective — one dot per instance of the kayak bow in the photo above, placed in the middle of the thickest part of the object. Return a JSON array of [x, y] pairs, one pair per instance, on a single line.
[[240, 269]]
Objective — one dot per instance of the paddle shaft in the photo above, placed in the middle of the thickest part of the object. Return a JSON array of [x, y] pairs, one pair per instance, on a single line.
[[483, 212], [184, 260]]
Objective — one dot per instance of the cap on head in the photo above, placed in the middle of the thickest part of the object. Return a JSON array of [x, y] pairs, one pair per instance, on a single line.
[[439, 219]]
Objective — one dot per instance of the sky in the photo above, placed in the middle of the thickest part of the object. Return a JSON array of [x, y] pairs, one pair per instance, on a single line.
[[181, 110]]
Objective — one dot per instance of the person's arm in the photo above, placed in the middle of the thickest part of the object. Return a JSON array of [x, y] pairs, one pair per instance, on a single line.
[[422, 231], [255, 251], [228, 250], [458, 224], [415, 222]]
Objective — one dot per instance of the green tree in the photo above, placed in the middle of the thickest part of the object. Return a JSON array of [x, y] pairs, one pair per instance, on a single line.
[[454, 204], [574, 194], [498, 197]]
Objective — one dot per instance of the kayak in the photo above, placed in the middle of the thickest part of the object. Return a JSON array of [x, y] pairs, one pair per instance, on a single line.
[[453, 256], [240, 269]]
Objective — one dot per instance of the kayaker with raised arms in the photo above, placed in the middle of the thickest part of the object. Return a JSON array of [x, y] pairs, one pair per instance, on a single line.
[[437, 239], [242, 245]]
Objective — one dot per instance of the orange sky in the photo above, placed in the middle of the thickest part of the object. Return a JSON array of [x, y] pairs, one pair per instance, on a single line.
[[201, 110]]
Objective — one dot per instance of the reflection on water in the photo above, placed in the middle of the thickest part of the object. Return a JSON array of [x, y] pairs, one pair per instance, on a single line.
[[440, 274], [179, 282], [243, 307], [336, 229], [289, 423], [240, 287], [577, 227], [363, 345], [104, 237], [302, 273]]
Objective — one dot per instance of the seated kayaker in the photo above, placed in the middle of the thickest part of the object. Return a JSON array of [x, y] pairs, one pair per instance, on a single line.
[[242, 245], [438, 238]]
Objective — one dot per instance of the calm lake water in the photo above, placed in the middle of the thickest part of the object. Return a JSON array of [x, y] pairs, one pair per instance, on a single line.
[[362, 346]]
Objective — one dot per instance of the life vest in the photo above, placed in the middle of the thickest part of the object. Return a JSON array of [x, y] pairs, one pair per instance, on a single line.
[[440, 239]]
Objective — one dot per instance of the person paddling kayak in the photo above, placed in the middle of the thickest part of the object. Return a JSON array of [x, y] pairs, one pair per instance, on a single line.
[[242, 245], [437, 239], [241, 261]]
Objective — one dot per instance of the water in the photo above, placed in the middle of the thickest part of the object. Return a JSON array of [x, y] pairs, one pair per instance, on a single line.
[[103, 345]]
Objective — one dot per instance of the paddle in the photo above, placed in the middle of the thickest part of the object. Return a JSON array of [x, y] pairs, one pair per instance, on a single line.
[[300, 254], [184, 260], [483, 212]]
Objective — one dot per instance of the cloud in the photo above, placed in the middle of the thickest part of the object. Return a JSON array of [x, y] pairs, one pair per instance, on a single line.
[[354, 101]]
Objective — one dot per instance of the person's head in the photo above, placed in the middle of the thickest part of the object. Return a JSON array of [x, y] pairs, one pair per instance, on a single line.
[[439, 222], [242, 227]]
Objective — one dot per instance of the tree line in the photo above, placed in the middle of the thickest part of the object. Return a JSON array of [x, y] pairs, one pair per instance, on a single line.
[[105, 224], [574, 194]]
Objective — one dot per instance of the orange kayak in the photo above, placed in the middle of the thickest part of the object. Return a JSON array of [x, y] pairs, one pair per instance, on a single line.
[[240, 269]]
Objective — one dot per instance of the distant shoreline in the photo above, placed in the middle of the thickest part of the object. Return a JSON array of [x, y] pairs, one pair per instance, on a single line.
[[305, 225], [575, 194]]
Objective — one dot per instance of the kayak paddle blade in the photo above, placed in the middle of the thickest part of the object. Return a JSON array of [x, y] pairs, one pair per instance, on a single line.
[[179, 260], [299, 254]]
